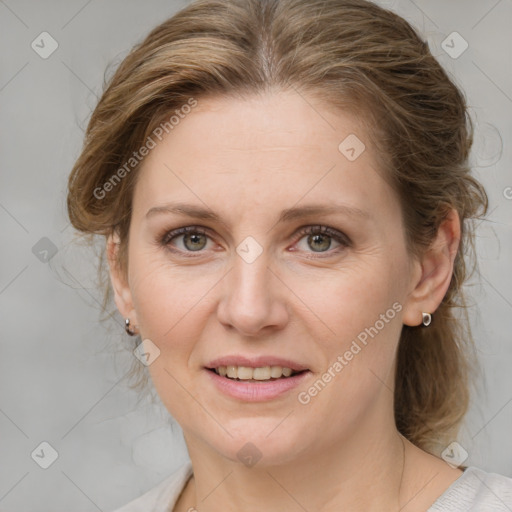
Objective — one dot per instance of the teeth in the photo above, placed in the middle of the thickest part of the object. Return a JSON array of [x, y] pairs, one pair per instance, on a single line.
[[260, 373], [276, 371], [247, 373]]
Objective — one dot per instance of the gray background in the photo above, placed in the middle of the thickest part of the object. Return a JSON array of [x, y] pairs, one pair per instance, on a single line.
[[61, 371]]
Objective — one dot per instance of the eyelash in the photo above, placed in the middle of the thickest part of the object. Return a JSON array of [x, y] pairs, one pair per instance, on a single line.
[[306, 230]]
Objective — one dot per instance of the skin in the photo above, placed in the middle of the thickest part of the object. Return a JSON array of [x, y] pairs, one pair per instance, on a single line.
[[247, 160]]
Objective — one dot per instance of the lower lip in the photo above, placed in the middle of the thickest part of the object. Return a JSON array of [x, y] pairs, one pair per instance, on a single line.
[[256, 391]]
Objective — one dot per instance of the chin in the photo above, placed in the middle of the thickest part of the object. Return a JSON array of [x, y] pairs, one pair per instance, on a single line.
[[262, 443]]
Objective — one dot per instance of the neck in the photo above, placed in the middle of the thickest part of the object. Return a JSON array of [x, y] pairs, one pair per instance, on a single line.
[[342, 472]]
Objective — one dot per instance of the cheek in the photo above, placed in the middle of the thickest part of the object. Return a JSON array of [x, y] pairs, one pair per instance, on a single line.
[[361, 306], [171, 312], [348, 300], [165, 294], [358, 373]]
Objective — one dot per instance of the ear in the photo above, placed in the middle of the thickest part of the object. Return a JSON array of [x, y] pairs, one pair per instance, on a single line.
[[122, 293], [433, 273]]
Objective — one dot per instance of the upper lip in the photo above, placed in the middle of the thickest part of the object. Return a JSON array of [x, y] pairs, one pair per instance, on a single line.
[[256, 362]]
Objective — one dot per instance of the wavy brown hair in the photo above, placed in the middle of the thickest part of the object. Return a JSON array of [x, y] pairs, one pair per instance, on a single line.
[[353, 55]]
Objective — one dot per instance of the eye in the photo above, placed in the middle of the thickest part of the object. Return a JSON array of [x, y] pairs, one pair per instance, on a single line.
[[320, 239], [194, 239]]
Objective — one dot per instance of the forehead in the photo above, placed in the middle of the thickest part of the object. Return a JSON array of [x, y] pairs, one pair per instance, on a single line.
[[264, 150], [269, 121]]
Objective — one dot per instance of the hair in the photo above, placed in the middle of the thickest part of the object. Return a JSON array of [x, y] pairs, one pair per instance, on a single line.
[[353, 55]]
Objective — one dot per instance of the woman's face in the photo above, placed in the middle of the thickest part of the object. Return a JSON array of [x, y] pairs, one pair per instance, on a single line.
[[254, 288]]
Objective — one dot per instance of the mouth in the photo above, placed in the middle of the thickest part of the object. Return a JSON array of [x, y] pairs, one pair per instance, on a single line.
[[256, 380]]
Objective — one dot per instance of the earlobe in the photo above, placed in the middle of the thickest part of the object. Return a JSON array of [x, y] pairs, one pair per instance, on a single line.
[[433, 274], [122, 293]]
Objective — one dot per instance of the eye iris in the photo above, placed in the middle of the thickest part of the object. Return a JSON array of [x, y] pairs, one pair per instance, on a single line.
[[313, 238], [194, 237]]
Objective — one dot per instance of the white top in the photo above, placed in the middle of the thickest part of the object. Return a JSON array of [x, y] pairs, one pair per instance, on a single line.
[[474, 491]]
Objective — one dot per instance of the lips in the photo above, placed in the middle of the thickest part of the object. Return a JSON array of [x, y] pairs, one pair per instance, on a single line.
[[254, 390], [247, 379]]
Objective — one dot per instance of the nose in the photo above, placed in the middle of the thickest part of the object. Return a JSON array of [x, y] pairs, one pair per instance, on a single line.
[[254, 298]]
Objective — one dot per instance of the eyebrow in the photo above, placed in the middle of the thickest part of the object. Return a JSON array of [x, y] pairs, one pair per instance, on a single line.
[[287, 215]]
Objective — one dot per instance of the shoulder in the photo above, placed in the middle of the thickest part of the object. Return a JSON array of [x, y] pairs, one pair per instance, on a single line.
[[476, 491], [163, 496]]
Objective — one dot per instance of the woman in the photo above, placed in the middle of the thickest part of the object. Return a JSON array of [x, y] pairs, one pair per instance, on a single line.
[[283, 188]]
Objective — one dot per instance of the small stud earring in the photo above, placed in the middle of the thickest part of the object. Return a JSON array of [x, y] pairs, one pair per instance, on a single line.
[[127, 327], [427, 319]]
